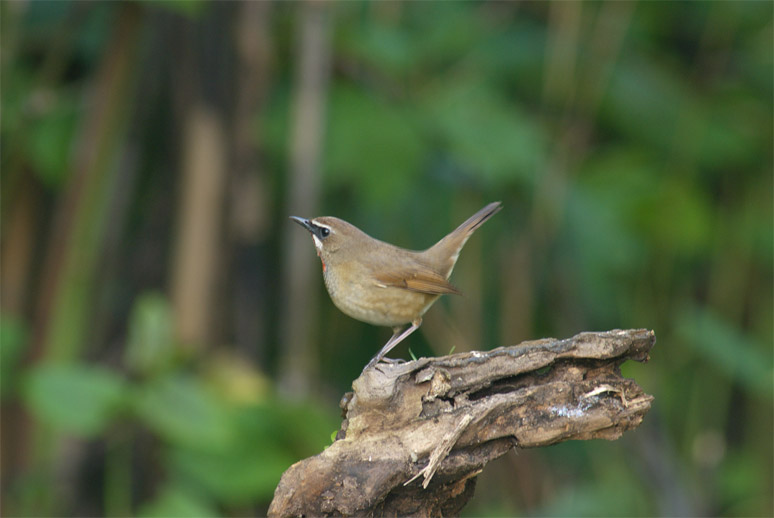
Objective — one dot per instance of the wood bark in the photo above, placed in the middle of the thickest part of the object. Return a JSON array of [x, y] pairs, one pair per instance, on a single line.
[[416, 434]]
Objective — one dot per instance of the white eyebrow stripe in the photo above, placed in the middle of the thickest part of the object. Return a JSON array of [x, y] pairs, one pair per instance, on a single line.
[[323, 225]]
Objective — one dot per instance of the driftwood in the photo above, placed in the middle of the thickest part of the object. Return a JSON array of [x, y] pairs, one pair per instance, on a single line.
[[416, 434]]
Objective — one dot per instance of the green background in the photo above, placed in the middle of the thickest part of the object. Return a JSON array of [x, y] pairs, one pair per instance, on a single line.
[[167, 349]]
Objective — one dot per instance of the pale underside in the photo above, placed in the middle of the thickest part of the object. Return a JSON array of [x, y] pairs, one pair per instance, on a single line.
[[388, 297]]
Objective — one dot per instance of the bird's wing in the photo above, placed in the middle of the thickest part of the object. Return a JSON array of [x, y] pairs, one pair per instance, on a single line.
[[421, 281]]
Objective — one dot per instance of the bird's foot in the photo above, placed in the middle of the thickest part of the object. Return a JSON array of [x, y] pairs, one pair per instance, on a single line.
[[389, 361], [384, 360], [393, 361]]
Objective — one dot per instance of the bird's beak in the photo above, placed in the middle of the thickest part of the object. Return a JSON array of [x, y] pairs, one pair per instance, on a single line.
[[304, 223]]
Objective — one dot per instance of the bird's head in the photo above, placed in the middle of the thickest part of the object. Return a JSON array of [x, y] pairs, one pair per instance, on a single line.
[[331, 236]]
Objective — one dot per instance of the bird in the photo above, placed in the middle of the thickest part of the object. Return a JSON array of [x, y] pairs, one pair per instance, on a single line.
[[382, 284]]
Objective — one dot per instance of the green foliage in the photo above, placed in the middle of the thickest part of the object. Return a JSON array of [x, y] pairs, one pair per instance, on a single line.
[[150, 346], [385, 48], [229, 452], [371, 144], [13, 339], [178, 502], [486, 135], [738, 356], [266, 439], [189, 8], [636, 182], [642, 102], [50, 142], [181, 410], [40, 128], [217, 450], [742, 482], [592, 499], [81, 399], [247, 472]]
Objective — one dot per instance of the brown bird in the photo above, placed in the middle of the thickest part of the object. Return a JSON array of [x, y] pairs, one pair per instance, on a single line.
[[382, 284]]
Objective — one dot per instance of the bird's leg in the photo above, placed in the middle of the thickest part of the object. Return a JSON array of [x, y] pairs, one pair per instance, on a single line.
[[394, 340]]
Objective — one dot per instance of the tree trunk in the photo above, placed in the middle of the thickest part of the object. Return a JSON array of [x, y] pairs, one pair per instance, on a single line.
[[416, 434]]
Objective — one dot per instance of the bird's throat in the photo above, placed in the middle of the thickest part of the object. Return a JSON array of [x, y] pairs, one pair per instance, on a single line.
[[319, 254]]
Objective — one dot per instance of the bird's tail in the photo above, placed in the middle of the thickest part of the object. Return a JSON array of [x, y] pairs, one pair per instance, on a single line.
[[447, 250]]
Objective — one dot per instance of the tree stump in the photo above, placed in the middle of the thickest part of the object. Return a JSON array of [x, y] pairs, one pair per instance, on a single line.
[[416, 434]]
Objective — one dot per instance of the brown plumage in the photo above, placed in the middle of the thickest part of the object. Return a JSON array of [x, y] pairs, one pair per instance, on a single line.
[[382, 284]]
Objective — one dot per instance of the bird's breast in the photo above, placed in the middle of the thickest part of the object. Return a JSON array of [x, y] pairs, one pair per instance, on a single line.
[[355, 292]]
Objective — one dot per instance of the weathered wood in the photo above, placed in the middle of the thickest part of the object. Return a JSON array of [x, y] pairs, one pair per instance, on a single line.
[[416, 434]]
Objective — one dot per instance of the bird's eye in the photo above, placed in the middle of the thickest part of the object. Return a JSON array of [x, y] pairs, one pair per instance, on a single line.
[[324, 232]]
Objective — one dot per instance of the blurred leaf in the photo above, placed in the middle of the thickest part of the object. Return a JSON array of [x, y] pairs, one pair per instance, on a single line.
[[656, 206], [305, 425], [46, 16], [273, 126], [445, 31], [742, 482], [386, 47], [173, 502], [372, 146], [13, 339], [754, 57], [488, 136], [94, 29], [17, 83], [50, 140], [522, 65], [189, 8], [621, 177], [604, 208], [644, 100], [728, 349], [268, 439], [77, 398], [735, 134], [752, 222], [601, 235], [594, 498], [150, 345], [182, 411], [678, 217], [236, 379], [239, 476]]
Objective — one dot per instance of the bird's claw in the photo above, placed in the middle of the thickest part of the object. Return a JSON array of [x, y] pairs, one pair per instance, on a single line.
[[384, 360], [393, 361], [389, 361]]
